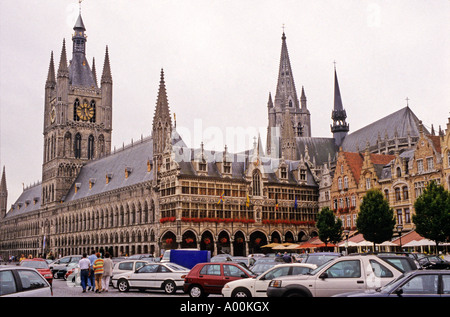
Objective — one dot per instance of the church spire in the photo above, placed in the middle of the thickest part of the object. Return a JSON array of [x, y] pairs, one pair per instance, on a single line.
[[162, 121], [3, 195], [340, 127], [286, 94]]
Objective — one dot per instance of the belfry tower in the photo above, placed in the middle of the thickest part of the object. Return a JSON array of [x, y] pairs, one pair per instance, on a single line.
[[77, 117]]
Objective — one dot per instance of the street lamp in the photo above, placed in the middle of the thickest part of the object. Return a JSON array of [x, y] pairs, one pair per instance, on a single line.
[[399, 230], [346, 232]]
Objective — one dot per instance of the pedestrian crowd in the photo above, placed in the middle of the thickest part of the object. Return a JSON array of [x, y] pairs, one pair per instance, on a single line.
[[96, 272]]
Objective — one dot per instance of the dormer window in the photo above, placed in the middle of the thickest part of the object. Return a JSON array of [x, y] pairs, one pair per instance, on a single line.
[[167, 164], [227, 167], [202, 166], [303, 174], [283, 173]]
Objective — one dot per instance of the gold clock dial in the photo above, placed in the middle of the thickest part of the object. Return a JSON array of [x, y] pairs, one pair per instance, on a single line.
[[53, 114], [85, 112]]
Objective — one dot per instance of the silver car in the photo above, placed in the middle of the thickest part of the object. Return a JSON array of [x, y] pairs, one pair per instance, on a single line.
[[21, 281]]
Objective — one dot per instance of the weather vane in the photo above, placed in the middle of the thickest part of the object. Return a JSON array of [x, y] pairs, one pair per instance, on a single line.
[[79, 3]]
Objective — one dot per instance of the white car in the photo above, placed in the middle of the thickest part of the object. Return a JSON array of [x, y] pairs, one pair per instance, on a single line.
[[21, 281], [344, 274], [256, 287], [164, 276], [128, 266]]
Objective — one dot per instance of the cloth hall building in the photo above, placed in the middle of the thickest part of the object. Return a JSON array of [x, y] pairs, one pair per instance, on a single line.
[[157, 193]]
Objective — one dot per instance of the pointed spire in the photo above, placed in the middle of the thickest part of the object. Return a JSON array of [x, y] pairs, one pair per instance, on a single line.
[[106, 76], [162, 103], [303, 98], [63, 70], [3, 187], [270, 103], [51, 79], [337, 93], [286, 92], [94, 71], [340, 127], [79, 24]]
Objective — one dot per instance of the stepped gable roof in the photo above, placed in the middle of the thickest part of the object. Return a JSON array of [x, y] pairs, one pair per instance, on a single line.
[[402, 122], [354, 161], [28, 201], [435, 139], [319, 148]]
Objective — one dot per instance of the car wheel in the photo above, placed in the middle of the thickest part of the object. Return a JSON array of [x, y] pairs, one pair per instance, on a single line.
[[170, 287], [55, 275], [241, 292], [196, 291], [123, 285]]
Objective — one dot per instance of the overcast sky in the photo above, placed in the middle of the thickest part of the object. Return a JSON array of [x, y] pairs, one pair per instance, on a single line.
[[220, 59]]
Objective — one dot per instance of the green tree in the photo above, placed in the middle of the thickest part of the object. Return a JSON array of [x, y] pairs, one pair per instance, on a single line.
[[432, 217], [376, 218], [330, 227]]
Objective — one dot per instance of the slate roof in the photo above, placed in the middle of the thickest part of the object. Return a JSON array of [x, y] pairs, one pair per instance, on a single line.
[[321, 149], [80, 74], [28, 201], [400, 122]]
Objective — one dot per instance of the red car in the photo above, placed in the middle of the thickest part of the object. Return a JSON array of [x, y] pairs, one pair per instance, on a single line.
[[41, 266], [209, 278]]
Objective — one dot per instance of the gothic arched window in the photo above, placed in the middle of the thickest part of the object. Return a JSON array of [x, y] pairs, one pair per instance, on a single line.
[[256, 184], [75, 106], [77, 146], [95, 112], [90, 147]]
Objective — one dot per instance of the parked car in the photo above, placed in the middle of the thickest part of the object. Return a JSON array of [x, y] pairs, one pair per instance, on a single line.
[[41, 266], [403, 263], [73, 273], [209, 278], [59, 267], [260, 267], [419, 283], [341, 275], [245, 261], [257, 287], [434, 262], [165, 276], [144, 256], [22, 281], [127, 266], [319, 258]]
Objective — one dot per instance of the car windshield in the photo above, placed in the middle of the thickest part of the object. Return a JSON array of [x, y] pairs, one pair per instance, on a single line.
[[35, 264], [176, 267]]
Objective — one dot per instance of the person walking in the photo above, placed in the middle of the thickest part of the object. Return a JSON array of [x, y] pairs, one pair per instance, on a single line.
[[98, 272], [107, 272], [91, 279], [85, 265]]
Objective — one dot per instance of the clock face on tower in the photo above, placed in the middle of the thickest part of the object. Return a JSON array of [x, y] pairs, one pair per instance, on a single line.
[[85, 111]]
